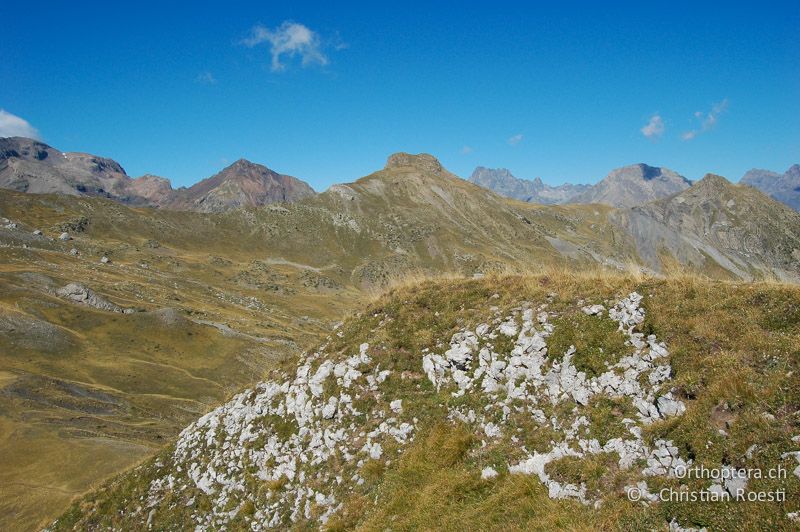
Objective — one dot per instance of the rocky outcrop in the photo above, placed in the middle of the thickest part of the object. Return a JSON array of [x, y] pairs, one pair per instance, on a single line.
[[78, 293], [313, 433]]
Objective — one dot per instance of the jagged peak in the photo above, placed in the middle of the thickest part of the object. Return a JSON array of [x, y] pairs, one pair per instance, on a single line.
[[421, 161]]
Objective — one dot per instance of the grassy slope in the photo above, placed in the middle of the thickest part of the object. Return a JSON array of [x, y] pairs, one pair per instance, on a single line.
[[84, 393], [734, 348]]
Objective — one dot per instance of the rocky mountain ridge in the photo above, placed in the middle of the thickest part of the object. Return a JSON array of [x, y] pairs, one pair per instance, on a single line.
[[782, 187], [628, 186], [501, 181]]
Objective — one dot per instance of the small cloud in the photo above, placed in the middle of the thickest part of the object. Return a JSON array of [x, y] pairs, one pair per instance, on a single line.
[[707, 120], [466, 150], [206, 78], [290, 39], [516, 139], [14, 126], [654, 129]]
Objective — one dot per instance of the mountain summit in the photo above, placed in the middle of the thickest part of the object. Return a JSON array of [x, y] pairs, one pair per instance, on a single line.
[[422, 161], [635, 185], [242, 184]]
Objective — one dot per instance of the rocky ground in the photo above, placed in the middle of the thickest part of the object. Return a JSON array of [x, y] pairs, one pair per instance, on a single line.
[[578, 392]]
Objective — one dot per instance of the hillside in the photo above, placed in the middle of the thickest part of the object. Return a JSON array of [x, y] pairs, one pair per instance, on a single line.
[[634, 185], [516, 403], [175, 310], [717, 225], [503, 182]]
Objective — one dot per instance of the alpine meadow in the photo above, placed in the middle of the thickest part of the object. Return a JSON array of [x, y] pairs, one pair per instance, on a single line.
[[427, 283]]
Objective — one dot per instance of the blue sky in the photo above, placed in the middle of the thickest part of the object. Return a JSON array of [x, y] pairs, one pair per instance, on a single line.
[[561, 90]]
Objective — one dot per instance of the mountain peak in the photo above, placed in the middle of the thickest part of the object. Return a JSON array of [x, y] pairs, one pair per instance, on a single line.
[[714, 180], [634, 185], [242, 184], [243, 162], [421, 161]]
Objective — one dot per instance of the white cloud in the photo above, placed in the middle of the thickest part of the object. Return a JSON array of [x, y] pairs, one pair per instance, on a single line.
[[290, 39], [466, 150], [206, 78], [516, 139], [707, 120], [654, 128], [14, 126]]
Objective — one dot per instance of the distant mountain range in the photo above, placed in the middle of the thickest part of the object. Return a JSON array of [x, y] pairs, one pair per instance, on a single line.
[[28, 165], [501, 181], [624, 187], [783, 187]]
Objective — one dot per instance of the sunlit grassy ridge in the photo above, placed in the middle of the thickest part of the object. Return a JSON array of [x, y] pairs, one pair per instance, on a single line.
[[734, 350]]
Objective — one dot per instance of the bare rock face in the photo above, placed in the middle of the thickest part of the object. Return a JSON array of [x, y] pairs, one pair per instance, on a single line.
[[78, 293], [242, 184], [634, 185]]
